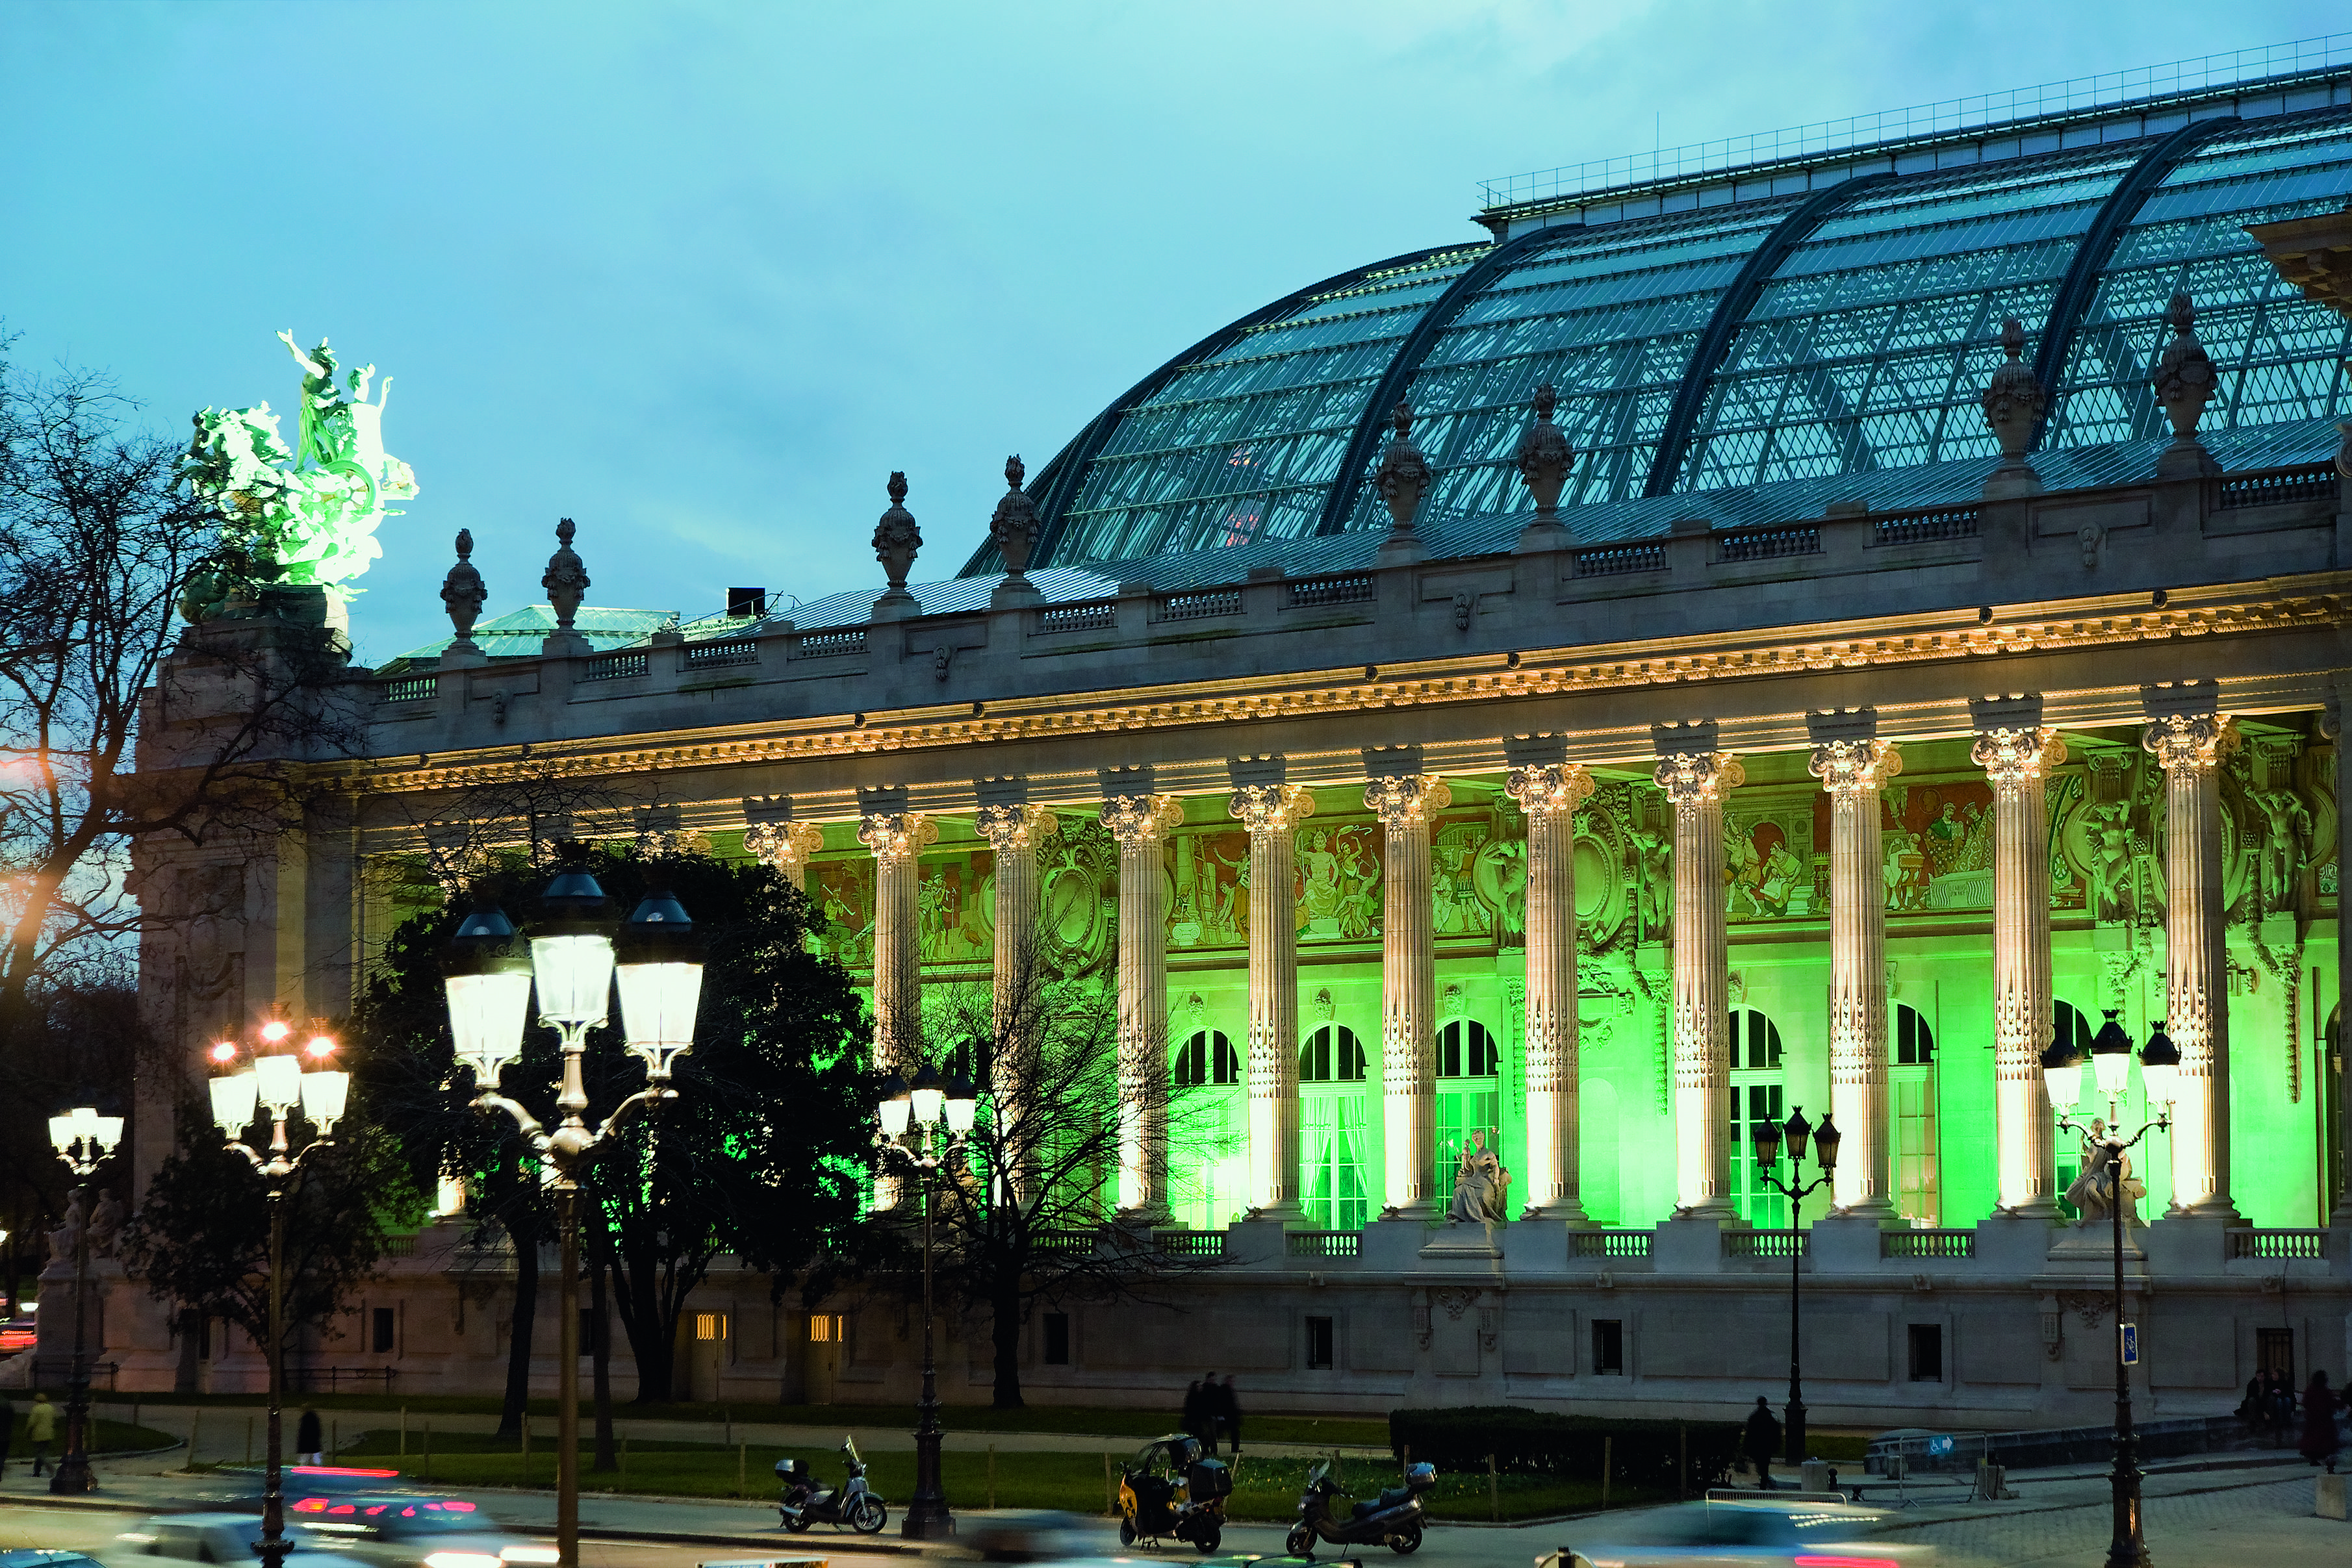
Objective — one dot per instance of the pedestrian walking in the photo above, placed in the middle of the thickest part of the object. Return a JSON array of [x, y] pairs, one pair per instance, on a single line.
[[1195, 1414], [1229, 1413], [1762, 1440], [41, 1431], [2282, 1407], [309, 1444], [2319, 1439], [1207, 1429]]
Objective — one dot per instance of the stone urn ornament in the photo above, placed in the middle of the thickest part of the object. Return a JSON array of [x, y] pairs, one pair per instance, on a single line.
[[1402, 476], [1544, 457], [566, 582], [896, 541], [2013, 405], [463, 595], [2184, 383], [1014, 528]]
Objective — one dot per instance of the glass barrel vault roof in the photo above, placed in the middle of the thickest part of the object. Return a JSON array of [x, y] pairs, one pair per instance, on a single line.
[[1866, 347]]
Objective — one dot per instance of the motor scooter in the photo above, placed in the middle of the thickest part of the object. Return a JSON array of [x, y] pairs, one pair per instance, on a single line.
[[1169, 1490], [804, 1502], [1392, 1519]]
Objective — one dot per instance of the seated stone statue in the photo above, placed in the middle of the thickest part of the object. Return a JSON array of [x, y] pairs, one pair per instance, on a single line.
[[1480, 1185], [2093, 1192]]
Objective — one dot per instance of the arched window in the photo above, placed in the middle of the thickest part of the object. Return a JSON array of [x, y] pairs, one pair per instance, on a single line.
[[1757, 1095], [1332, 1054], [1915, 1042], [1465, 1049], [2073, 1027], [967, 1058], [1207, 1058]]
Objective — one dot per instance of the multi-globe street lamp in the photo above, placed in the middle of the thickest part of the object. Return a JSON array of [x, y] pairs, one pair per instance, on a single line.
[[2110, 1061], [923, 1128], [1826, 1141], [277, 1078], [574, 959], [83, 1139]]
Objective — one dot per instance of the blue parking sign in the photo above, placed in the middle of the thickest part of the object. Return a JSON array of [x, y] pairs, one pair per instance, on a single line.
[[1939, 1445], [2131, 1344]]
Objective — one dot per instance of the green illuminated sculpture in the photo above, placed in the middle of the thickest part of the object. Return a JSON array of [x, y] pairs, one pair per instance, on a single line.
[[300, 518]]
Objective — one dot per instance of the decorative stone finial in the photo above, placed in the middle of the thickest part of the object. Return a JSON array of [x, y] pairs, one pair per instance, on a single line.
[[895, 540], [2183, 380], [1014, 529], [2013, 405], [1545, 457], [463, 592], [1402, 476], [566, 579]]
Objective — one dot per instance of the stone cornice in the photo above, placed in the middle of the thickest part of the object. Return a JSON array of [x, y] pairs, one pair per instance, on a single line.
[[2309, 601]]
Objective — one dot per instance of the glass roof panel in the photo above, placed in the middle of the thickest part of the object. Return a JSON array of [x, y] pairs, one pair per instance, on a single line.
[[1871, 346], [2275, 352]]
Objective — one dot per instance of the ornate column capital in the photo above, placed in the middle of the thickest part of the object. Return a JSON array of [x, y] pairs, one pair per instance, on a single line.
[[2194, 742], [1136, 820], [1549, 789], [1407, 799], [2013, 759], [1271, 808], [896, 837], [1011, 828], [1696, 778], [1850, 768], [783, 844]]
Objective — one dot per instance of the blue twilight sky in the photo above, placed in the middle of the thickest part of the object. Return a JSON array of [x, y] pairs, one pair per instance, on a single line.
[[700, 275]]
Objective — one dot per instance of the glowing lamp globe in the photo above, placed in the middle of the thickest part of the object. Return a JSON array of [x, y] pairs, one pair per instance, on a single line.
[[571, 951], [1765, 1133], [234, 1100], [279, 1081], [895, 1106], [324, 1095], [659, 967], [929, 1096], [2160, 1066], [1826, 1139], [486, 973], [2111, 1056], [962, 1104], [2062, 1074], [1798, 1132]]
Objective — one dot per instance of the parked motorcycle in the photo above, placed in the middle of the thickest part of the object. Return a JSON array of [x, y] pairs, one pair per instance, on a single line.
[[804, 1502], [1169, 1490], [1392, 1519]]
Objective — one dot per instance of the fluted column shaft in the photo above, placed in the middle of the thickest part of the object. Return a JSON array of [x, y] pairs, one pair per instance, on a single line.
[[1404, 804], [897, 839], [1694, 782], [1140, 824], [1013, 834], [2017, 763], [1271, 812], [2333, 724], [2197, 1007], [1854, 771], [1549, 794], [787, 846]]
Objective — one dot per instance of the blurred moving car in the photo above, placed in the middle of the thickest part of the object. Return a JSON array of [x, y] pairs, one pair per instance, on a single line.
[[17, 1333], [1768, 1533], [37, 1557], [399, 1529], [221, 1537]]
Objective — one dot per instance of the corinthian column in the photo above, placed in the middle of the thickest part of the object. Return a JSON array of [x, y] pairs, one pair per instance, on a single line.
[[1854, 771], [897, 839], [1405, 803], [1695, 782], [2017, 761], [1013, 832], [1140, 824], [787, 846], [1271, 812], [1549, 793], [2189, 748]]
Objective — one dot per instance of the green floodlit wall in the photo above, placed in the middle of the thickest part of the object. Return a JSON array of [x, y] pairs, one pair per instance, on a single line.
[[2107, 822]]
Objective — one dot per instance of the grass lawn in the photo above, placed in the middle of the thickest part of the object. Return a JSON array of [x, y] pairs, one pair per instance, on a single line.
[[1267, 1489]]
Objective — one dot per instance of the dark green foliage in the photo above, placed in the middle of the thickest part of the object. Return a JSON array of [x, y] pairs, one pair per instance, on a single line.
[[1640, 1453], [202, 1236], [763, 1152]]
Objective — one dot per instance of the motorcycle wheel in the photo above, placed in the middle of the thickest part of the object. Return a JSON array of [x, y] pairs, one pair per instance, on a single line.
[[1301, 1542], [795, 1525], [1208, 1539], [1407, 1541], [869, 1516], [1126, 1531]]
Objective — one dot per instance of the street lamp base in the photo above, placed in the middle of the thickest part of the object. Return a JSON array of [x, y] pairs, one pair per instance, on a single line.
[[72, 1476], [927, 1519]]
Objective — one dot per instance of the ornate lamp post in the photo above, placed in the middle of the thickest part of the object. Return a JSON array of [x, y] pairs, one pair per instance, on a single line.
[[573, 961], [278, 1079], [83, 1138], [2160, 1064], [923, 1127], [1825, 1143]]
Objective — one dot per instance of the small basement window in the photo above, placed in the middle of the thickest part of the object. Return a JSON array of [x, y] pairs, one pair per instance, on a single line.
[[1319, 1341], [1057, 1339]]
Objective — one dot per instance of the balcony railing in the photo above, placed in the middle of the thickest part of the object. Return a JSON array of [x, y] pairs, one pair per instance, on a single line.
[[1609, 1243], [1324, 1244], [2277, 1244], [1196, 606], [1926, 1244], [1067, 1243], [616, 666], [1612, 560], [1101, 615], [1767, 1243], [1769, 544], [1924, 527], [1356, 587], [411, 689], [2313, 481], [734, 651], [1190, 1243], [822, 644]]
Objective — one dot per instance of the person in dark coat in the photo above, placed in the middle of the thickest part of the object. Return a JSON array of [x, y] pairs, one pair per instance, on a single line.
[[1195, 1415], [309, 1442], [1205, 1427], [2319, 1439], [1762, 1440], [1228, 1414]]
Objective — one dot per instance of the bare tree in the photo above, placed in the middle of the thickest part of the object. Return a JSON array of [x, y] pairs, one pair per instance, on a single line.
[[1029, 1215]]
